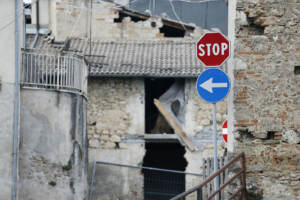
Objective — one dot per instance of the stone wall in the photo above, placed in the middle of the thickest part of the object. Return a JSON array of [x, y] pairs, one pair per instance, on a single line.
[[266, 95], [198, 113], [103, 26], [116, 118], [115, 110]]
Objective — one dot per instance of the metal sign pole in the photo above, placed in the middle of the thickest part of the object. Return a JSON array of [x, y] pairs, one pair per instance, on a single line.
[[216, 180], [213, 86]]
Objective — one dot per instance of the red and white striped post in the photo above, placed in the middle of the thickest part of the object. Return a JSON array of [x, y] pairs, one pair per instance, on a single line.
[[225, 131]]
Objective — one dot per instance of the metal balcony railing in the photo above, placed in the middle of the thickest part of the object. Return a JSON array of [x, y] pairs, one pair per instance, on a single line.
[[53, 71]]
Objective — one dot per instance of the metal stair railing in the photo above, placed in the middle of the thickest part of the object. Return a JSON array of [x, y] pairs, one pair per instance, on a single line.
[[241, 189]]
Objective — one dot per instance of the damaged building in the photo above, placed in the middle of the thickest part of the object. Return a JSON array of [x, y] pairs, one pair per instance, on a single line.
[[135, 108], [143, 108]]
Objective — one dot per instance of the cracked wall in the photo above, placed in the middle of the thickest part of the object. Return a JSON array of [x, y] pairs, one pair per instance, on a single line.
[[266, 95], [53, 153]]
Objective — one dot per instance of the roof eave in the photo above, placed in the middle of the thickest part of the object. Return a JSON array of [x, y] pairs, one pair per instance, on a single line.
[[140, 76]]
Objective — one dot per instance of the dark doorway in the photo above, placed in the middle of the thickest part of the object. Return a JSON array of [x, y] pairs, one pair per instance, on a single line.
[[154, 88], [164, 185]]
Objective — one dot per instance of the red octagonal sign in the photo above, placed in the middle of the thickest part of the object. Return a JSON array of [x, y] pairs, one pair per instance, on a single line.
[[213, 49]]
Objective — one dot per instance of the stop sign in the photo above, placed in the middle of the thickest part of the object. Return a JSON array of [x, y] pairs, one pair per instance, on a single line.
[[213, 49]]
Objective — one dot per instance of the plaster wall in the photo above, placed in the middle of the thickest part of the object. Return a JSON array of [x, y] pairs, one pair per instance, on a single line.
[[6, 138], [52, 20], [44, 13], [230, 72], [7, 41], [113, 182], [7, 93], [53, 154]]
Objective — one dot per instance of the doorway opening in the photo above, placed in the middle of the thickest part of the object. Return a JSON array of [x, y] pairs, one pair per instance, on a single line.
[[161, 185]]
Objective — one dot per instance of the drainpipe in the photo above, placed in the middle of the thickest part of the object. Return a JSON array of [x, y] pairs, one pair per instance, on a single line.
[[16, 107], [24, 28], [37, 25]]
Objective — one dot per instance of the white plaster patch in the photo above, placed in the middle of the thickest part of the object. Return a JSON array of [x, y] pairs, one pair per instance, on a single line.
[[136, 109], [239, 64], [291, 137], [242, 17]]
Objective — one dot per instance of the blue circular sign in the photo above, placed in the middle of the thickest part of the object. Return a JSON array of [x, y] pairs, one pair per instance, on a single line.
[[213, 85]]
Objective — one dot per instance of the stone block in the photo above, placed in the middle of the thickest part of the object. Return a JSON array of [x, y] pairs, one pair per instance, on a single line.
[[116, 138], [291, 137], [109, 145], [94, 143], [104, 137]]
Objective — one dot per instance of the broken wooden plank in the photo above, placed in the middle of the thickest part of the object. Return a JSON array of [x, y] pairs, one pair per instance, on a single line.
[[174, 124]]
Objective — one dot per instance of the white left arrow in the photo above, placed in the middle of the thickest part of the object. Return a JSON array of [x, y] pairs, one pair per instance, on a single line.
[[209, 85]]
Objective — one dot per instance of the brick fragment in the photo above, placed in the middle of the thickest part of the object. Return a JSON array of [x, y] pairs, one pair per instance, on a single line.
[[100, 19]]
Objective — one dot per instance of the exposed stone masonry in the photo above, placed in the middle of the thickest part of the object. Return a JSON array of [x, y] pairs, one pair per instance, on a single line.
[[266, 95], [110, 111], [104, 25], [199, 113]]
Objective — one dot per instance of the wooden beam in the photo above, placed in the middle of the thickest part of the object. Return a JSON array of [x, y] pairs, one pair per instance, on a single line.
[[166, 22], [158, 138], [173, 122]]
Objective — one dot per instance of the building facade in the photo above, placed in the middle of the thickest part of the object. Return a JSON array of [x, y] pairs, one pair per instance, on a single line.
[[265, 99], [136, 60]]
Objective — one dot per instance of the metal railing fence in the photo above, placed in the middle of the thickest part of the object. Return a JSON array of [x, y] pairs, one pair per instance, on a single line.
[[241, 190], [208, 170], [148, 182], [54, 71]]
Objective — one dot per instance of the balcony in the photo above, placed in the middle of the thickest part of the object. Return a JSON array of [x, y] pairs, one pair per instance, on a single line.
[[68, 72]]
